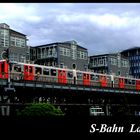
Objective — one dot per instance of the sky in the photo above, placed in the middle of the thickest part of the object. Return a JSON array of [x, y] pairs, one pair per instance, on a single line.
[[99, 27]]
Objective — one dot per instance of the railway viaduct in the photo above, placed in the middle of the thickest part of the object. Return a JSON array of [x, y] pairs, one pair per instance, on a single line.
[[72, 99]]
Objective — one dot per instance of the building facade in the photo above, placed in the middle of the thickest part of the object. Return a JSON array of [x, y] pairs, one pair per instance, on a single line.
[[61, 54], [109, 64], [15, 41], [133, 55]]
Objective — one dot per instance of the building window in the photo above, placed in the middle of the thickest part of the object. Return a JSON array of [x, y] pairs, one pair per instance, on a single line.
[[113, 61], [85, 55], [68, 52], [22, 42], [78, 54], [61, 51], [124, 63], [74, 52], [82, 55], [17, 42], [54, 51], [4, 37], [64, 51], [119, 73], [62, 65], [13, 41]]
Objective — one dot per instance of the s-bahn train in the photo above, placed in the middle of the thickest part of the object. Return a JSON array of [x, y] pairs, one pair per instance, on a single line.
[[34, 72]]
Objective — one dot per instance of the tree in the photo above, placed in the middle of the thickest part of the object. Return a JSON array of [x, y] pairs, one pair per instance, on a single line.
[[40, 109]]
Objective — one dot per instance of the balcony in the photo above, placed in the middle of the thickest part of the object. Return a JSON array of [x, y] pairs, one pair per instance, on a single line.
[[46, 56], [98, 65]]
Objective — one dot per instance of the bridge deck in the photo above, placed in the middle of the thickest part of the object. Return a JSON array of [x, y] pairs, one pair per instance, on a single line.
[[46, 85]]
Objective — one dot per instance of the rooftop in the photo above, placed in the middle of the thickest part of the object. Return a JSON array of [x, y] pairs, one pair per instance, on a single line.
[[131, 49], [60, 43]]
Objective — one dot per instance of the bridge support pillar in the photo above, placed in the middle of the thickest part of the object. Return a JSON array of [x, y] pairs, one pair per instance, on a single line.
[[5, 110], [107, 109]]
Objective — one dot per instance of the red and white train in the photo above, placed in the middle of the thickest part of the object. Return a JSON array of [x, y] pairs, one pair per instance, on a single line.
[[34, 72]]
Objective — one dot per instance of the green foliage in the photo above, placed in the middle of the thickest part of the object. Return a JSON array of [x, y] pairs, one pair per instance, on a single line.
[[40, 109]]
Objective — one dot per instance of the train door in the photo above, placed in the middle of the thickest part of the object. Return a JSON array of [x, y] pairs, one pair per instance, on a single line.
[[138, 84], [103, 81], [86, 79], [28, 72], [3, 70], [31, 72], [121, 83], [62, 76]]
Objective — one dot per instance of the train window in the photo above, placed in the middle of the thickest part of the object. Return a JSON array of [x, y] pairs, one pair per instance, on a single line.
[[45, 71], [126, 81], [92, 77], [97, 77], [79, 75], [17, 68], [38, 70], [133, 82], [53, 72], [108, 78], [69, 74], [129, 81]]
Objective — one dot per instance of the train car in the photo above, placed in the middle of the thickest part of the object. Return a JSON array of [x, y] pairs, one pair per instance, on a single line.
[[126, 83], [3, 69], [22, 71], [83, 78], [93, 79], [119, 82], [34, 72], [100, 80]]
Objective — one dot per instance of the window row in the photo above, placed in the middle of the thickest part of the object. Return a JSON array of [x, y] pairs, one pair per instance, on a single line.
[[135, 64], [19, 42], [17, 57], [73, 53], [134, 57], [64, 51], [82, 55]]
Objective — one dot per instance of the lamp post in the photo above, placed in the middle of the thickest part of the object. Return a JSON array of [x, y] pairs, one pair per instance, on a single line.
[[5, 110], [9, 88]]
